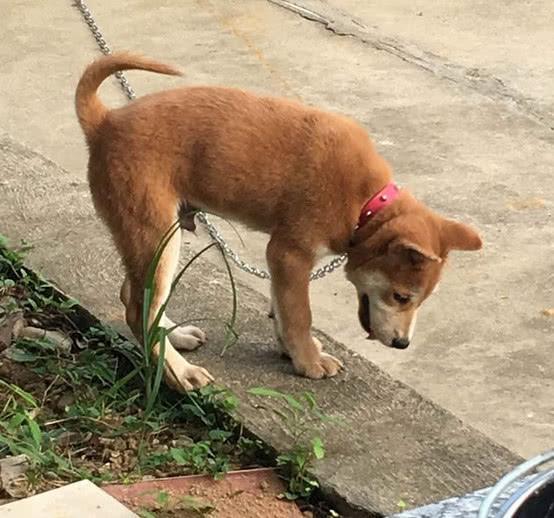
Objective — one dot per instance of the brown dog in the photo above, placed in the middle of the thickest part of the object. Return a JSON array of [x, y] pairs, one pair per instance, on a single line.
[[299, 174]]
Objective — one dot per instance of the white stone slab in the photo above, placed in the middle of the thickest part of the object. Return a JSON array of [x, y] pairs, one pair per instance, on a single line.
[[82, 499]]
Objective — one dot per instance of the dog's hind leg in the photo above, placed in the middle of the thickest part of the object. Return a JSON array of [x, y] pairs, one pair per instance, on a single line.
[[138, 252]]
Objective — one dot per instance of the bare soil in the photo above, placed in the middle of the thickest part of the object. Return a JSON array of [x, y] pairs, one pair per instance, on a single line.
[[253, 493]]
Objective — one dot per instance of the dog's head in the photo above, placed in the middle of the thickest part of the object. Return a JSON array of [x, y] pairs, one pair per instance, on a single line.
[[395, 263]]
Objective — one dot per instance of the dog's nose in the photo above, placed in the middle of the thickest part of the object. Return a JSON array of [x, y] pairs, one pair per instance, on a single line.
[[400, 343]]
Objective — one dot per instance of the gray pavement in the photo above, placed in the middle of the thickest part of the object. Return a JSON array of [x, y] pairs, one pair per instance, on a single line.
[[501, 49], [458, 100]]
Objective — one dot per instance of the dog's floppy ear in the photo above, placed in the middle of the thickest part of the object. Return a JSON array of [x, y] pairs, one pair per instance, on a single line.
[[414, 240], [416, 253], [458, 236]]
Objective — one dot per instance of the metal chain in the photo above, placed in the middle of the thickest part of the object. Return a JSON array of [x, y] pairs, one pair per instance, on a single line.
[[202, 217], [103, 46]]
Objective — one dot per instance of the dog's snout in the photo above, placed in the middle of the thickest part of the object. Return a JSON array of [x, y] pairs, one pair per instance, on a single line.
[[400, 343]]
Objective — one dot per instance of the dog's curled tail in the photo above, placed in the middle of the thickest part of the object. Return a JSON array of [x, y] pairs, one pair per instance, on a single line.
[[90, 109]]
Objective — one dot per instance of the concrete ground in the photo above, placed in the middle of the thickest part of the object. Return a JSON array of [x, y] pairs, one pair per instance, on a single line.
[[457, 98]]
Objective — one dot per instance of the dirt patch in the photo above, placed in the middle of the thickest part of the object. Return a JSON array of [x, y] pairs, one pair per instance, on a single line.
[[253, 493]]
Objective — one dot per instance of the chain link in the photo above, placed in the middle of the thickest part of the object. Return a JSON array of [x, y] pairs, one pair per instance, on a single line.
[[202, 217], [103, 46]]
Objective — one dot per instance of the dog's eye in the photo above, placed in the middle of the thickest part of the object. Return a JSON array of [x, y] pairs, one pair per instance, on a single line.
[[401, 299]]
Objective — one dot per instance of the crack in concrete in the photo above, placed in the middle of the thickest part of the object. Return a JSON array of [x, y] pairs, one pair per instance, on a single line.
[[342, 24]]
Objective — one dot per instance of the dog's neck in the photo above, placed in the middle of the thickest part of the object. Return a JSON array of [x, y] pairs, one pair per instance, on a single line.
[[366, 190], [390, 209], [378, 202]]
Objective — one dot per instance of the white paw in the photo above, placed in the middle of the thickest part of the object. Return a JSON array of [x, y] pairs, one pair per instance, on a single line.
[[187, 377], [187, 338]]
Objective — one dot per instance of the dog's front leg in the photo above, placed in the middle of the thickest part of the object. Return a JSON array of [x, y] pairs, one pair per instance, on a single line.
[[290, 268]]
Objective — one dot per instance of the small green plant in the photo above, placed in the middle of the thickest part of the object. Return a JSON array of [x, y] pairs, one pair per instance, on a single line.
[[21, 433], [301, 418], [11, 259], [200, 457], [177, 505]]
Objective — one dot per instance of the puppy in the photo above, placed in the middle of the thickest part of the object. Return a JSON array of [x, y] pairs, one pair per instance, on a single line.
[[311, 180]]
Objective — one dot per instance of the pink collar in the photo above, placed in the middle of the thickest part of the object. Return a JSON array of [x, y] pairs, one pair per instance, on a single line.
[[384, 197]]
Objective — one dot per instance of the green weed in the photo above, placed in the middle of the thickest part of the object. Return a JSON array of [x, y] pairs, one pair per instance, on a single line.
[[166, 502], [21, 433], [301, 418]]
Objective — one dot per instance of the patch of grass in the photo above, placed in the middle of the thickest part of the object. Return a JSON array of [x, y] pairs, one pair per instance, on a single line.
[[21, 433], [85, 413], [165, 502], [99, 405]]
